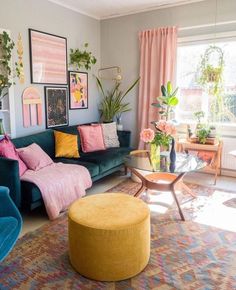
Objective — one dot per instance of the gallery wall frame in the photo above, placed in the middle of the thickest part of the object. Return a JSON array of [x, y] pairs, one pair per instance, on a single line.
[[48, 58], [78, 90], [56, 106]]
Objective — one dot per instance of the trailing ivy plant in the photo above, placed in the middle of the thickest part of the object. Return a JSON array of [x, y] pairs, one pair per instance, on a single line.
[[211, 78], [6, 77], [82, 58]]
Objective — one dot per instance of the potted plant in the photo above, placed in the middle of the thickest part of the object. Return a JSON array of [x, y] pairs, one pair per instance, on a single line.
[[199, 115], [203, 134], [167, 101], [112, 103], [82, 58], [211, 78], [6, 76], [209, 72], [213, 132]]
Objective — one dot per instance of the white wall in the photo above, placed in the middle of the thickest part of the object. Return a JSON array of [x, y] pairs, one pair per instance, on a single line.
[[19, 15], [119, 38]]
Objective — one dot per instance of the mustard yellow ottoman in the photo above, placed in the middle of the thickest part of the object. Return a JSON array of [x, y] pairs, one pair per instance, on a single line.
[[109, 236]]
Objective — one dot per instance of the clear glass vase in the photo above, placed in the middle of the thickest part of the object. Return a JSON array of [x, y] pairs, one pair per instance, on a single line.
[[155, 156]]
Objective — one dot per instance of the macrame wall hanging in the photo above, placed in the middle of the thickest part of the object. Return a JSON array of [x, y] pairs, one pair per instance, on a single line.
[[32, 107], [20, 53]]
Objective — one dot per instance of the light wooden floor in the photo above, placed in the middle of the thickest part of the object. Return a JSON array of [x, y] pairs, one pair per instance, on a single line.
[[37, 218]]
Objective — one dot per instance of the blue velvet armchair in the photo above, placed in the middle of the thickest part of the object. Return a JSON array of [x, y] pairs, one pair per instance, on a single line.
[[10, 223]]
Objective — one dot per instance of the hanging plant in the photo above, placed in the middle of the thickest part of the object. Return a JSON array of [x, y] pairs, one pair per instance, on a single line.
[[6, 77], [211, 73], [211, 78], [82, 58]]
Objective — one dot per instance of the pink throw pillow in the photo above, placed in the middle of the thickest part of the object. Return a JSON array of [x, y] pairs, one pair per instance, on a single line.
[[34, 157], [8, 150], [91, 138]]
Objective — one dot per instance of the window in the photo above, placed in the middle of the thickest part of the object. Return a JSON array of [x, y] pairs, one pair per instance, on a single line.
[[195, 96]]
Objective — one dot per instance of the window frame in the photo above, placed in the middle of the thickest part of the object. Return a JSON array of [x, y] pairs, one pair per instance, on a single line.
[[227, 128]]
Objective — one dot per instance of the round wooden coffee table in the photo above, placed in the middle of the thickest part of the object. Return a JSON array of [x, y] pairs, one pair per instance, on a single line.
[[171, 173]]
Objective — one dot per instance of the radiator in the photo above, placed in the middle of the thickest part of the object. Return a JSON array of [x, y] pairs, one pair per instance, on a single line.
[[228, 161]]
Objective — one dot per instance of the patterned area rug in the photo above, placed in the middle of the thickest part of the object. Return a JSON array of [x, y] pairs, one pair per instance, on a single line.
[[184, 255]]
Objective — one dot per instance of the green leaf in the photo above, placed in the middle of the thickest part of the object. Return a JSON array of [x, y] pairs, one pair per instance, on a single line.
[[173, 101], [157, 105], [100, 86], [130, 88], [169, 88], [163, 90], [175, 92]]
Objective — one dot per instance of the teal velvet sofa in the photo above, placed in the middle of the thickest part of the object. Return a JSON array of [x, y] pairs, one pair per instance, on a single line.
[[10, 223], [100, 164]]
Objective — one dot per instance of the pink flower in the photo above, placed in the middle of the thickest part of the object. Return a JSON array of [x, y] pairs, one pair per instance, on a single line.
[[147, 135], [166, 127], [161, 125]]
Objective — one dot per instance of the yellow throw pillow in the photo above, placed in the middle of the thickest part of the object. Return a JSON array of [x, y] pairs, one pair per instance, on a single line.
[[66, 145]]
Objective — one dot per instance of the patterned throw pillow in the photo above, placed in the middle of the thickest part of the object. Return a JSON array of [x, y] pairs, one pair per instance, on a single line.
[[110, 135]]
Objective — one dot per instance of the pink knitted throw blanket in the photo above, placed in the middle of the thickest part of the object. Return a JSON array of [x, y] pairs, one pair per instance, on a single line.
[[60, 184]]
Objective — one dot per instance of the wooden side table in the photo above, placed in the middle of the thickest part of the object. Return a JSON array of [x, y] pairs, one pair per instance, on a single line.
[[215, 164]]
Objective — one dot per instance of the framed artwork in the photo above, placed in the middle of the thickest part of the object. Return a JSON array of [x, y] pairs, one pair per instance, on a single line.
[[56, 107], [78, 90], [48, 58]]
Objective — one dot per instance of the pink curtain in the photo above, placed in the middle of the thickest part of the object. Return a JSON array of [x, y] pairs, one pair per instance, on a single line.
[[157, 66]]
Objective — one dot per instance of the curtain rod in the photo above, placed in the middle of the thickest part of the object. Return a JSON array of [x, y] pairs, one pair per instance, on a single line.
[[207, 25]]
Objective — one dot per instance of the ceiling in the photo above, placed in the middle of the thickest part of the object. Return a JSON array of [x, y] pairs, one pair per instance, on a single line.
[[102, 9]]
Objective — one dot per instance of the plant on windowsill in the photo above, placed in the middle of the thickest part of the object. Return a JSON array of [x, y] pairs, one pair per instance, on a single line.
[[168, 101], [203, 134], [112, 103], [6, 76], [82, 58]]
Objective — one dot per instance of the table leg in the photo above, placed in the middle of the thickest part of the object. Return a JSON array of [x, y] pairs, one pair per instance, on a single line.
[[186, 188], [177, 202], [178, 178], [141, 190]]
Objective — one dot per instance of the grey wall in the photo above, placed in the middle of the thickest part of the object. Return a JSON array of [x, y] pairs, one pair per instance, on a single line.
[[119, 38], [19, 15]]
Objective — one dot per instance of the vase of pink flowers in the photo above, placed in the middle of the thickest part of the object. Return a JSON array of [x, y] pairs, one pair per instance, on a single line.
[[159, 140]]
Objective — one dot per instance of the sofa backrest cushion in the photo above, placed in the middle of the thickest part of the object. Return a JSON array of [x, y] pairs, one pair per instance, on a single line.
[[91, 138], [66, 145], [110, 135], [71, 130], [44, 139]]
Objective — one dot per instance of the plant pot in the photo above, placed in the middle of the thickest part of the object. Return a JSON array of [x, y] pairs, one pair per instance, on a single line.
[[107, 122]]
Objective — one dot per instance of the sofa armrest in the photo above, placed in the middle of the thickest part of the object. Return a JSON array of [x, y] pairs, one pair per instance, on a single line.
[[124, 138], [7, 206], [9, 177]]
